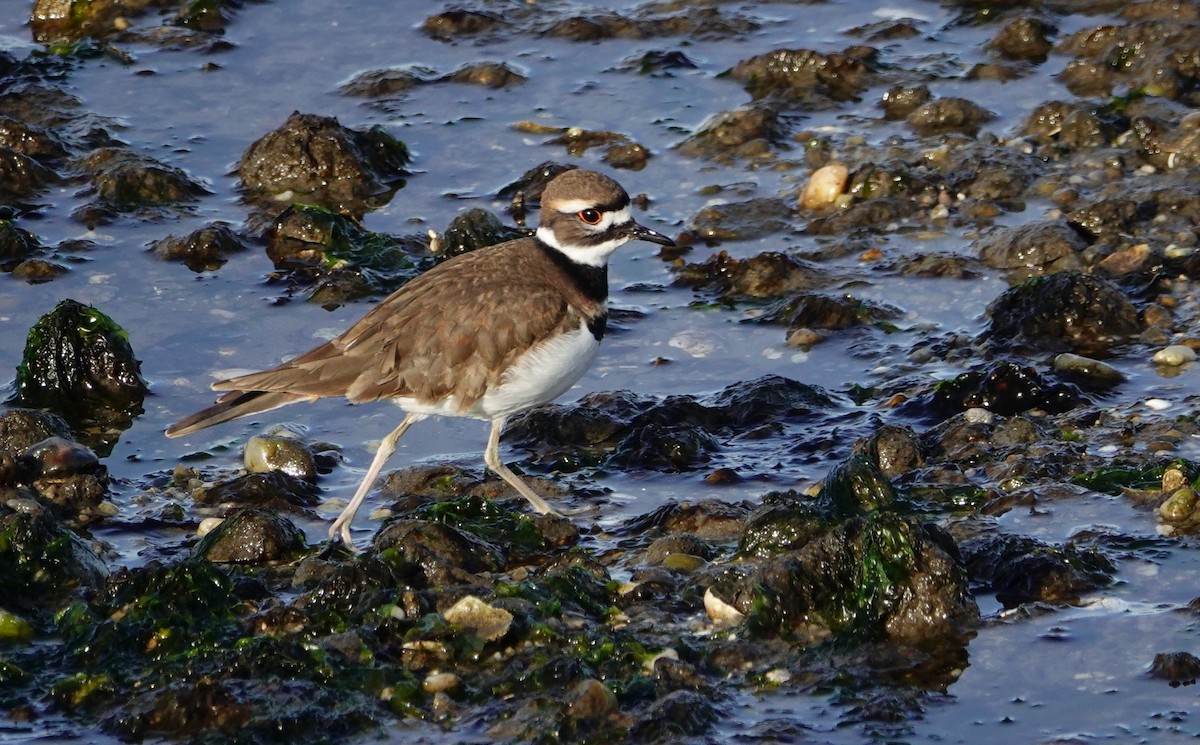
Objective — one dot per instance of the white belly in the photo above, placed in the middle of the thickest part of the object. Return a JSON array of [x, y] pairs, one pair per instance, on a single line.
[[542, 374], [539, 376]]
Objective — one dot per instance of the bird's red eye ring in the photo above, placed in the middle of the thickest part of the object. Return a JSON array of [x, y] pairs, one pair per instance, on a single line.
[[591, 217]]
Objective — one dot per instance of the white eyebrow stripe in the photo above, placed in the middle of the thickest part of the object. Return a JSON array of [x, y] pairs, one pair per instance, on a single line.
[[574, 205]]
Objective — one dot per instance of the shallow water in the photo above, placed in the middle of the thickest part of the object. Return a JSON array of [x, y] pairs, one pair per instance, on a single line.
[[1024, 684]]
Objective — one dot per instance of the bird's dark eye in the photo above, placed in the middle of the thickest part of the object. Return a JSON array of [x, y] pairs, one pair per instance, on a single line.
[[591, 217]]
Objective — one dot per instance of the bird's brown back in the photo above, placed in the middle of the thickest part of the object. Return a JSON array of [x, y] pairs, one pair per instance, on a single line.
[[451, 331]]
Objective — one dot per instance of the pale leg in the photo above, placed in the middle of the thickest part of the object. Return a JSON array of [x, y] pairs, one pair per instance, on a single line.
[[491, 456], [386, 448]]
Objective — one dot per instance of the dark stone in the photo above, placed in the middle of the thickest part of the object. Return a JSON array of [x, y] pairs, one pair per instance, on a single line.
[[78, 363], [252, 536], [804, 76], [444, 554], [899, 101], [126, 181], [679, 713], [1024, 39], [20, 429], [1065, 311], [1020, 569], [202, 250], [1177, 668], [323, 163], [1006, 388], [274, 489], [944, 115], [751, 131], [476, 228], [1032, 250], [768, 274]]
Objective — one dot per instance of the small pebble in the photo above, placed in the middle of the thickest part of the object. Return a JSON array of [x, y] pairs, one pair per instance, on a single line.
[[266, 453], [824, 186], [1088, 368], [207, 525], [1179, 506], [721, 613], [1157, 404], [1176, 354], [978, 415], [440, 682]]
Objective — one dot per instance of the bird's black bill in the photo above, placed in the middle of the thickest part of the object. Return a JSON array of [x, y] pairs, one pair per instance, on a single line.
[[637, 232]]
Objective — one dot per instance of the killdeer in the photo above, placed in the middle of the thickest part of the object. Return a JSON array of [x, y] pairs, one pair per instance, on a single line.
[[484, 335]]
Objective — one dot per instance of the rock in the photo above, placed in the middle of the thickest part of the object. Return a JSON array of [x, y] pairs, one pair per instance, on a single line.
[[440, 554], [440, 682], [275, 489], [316, 160], [1024, 39], [126, 181], [804, 76], [254, 536], [265, 453], [1088, 369], [899, 101], [202, 250], [748, 132], [590, 700], [22, 428], [1081, 312], [768, 274], [485, 621], [824, 186], [951, 114], [720, 612], [1031, 250], [474, 229], [1177, 668], [1020, 569], [679, 713], [1006, 389], [78, 363], [1174, 355], [739, 221]]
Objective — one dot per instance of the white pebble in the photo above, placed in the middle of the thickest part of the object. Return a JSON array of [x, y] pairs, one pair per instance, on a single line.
[[825, 185], [1176, 354], [207, 524], [719, 611], [440, 682], [1157, 404], [978, 415]]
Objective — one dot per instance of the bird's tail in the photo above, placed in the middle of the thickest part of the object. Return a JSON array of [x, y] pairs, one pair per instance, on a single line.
[[233, 405]]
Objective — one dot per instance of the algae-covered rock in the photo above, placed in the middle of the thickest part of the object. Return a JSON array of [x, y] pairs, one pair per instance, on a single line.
[[345, 260], [1006, 389], [42, 564], [252, 535], [848, 563], [79, 364]]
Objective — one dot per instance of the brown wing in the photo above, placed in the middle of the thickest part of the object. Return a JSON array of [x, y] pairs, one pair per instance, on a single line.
[[438, 335]]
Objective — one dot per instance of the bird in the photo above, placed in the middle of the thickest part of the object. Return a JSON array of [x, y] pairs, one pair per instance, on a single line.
[[485, 335]]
